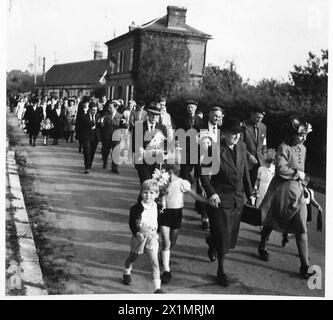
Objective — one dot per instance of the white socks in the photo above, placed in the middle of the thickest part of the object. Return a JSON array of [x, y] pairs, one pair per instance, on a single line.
[[157, 284], [128, 270], [166, 260]]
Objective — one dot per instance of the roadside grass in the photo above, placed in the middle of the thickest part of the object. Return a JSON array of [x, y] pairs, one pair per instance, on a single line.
[[54, 273]]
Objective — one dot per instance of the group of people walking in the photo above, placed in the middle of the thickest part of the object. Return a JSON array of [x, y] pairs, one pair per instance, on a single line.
[[246, 169]]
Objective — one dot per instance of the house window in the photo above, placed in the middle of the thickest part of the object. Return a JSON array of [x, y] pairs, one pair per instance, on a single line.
[[118, 62], [120, 92], [131, 60], [130, 93], [122, 61], [112, 92]]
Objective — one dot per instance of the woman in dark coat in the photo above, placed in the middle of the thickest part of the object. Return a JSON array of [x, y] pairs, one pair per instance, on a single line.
[[284, 204], [58, 118], [225, 192], [33, 117]]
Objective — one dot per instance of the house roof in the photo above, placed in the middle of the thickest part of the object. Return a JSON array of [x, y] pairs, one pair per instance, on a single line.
[[83, 72], [161, 25]]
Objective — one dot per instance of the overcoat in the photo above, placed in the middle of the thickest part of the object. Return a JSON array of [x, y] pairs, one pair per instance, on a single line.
[[59, 122], [230, 183], [33, 119], [284, 204]]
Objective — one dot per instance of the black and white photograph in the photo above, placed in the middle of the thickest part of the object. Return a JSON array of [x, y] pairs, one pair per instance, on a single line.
[[159, 147]]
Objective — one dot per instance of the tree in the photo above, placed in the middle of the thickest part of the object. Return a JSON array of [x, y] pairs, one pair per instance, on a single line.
[[18, 81], [162, 67]]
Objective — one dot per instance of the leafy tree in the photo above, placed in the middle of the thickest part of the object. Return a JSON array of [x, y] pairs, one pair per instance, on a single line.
[[162, 68]]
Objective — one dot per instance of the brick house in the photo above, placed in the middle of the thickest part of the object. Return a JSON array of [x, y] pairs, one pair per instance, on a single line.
[[75, 78], [124, 51]]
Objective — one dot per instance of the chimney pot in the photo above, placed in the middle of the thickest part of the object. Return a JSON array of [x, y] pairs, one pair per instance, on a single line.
[[176, 16]]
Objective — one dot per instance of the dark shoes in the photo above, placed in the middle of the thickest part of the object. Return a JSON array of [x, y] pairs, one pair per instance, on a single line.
[[204, 224], [86, 171], [285, 240], [127, 279], [263, 254], [211, 250], [116, 171], [159, 291], [304, 272], [223, 279], [166, 277]]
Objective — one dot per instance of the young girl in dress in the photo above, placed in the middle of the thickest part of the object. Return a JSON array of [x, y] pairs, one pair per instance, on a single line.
[[170, 219], [265, 175]]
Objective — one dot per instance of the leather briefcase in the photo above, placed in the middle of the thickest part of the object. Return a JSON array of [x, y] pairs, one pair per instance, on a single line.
[[251, 215]]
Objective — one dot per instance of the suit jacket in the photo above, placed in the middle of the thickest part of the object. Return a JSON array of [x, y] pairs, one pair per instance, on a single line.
[[145, 142], [232, 180], [255, 147], [86, 127], [136, 214], [135, 116], [33, 118], [109, 125]]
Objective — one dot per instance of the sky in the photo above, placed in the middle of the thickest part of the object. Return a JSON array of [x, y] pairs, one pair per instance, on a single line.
[[264, 38]]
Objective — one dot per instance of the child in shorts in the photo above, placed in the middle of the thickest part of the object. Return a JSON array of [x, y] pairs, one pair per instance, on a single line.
[[170, 220], [143, 223]]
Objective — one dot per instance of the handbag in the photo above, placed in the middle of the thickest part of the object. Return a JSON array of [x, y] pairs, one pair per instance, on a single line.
[[251, 215]]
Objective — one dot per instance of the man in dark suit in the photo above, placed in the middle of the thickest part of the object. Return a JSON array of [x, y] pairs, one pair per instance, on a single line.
[[149, 143], [33, 117], [89, 133], [213, 125], [255, 138], [109, 122], [190, 121], [225, 191]]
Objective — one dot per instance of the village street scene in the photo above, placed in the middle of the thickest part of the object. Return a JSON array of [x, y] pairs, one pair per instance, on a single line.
[[160, 161]]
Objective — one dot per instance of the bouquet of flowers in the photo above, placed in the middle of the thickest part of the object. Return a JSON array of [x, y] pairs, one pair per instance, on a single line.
[[162, 177]]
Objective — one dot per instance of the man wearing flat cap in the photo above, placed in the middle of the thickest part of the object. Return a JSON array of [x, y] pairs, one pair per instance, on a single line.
[[255, 138], [142, 143]]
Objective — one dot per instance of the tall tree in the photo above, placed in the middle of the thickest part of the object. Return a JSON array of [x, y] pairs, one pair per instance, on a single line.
[[163, 67]]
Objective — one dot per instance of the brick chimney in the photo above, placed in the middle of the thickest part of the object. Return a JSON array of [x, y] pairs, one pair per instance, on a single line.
[[98, 55], [176, 16]]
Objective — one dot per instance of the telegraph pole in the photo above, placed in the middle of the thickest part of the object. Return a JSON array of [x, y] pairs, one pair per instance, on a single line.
[[35, 66], [43, 85]]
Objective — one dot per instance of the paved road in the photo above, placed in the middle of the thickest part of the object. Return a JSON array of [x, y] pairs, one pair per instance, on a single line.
[[86, 235]]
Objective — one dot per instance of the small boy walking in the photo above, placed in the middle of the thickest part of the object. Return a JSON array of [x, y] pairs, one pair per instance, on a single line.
[[143, 222], [170, 220]]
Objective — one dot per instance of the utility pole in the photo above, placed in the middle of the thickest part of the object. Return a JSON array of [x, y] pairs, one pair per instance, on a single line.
[[35, 66], [43, 85]]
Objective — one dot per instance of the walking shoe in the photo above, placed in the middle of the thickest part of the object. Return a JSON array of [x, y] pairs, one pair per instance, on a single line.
[[204, 224], [159, 291], [263, 254], [304, 272], [115, 171], [166, 277], [86, 171], [223, 279], [211, 250], [285, 240], [127, 279]]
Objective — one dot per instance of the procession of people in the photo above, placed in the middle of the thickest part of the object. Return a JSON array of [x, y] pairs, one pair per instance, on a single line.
[[230, 160]]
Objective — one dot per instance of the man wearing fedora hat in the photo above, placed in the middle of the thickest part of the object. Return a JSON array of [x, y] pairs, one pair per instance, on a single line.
[[141, 142], [255, 138], [225, 191]]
